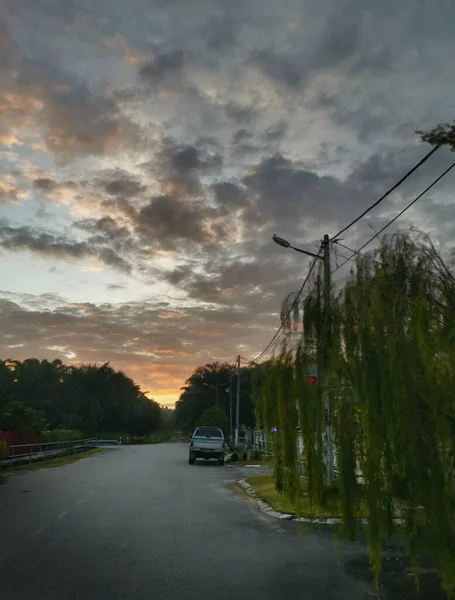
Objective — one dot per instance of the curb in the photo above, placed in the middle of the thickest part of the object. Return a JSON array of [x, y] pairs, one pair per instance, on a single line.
[[264, 506], [288, 517]]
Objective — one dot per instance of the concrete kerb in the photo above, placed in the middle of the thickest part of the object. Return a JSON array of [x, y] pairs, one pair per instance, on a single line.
[[288, 517]]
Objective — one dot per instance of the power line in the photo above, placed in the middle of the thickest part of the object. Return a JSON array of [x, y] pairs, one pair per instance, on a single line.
[[392, 189], [347, 247], [279, 330], [378, 233]]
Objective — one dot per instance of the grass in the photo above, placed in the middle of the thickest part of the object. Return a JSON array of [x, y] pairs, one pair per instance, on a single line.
[[265, 489], [61, 461]]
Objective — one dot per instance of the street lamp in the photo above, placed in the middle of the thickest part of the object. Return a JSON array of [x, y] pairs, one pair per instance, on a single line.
[[325, 246], [285, 244]]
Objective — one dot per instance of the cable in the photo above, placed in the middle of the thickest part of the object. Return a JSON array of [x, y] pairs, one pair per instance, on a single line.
[[347, 247], [392, 189], [378, 233], [279, 330]]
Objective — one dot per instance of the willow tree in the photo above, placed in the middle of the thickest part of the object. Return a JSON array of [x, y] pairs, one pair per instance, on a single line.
[[387, 365]]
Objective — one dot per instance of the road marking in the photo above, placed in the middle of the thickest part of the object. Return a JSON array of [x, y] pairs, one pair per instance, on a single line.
[[62, 514], [92, 492], [38, 531], [80, 501]]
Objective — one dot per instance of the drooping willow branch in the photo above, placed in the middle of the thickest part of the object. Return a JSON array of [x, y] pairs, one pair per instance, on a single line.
[[388, 365]]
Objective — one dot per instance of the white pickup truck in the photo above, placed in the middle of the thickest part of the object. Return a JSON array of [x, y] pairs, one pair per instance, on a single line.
[[207, 442]]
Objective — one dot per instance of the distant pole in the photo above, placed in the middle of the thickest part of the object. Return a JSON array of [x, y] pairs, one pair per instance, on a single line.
[[326, 332], [230, 404], [237, 406]]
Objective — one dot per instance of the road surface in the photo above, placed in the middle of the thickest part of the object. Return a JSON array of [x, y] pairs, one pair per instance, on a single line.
[[138, 522]]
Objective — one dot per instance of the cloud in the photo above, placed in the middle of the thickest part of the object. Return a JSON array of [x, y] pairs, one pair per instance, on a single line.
[[123, 184], [162, 67], [281, 69], [11, 192], [168, 221], [39, 99], [172, 146], [56, 246]]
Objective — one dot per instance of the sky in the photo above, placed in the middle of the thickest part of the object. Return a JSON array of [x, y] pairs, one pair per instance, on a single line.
[[149, 150]]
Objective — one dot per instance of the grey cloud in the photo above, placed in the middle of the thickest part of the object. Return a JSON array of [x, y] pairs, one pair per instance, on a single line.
[[286, 191], [275, 133], [163, 66], [178, 167], [80, 122], [45, 184], [221, 32], [56, 246], [283, 69], [73, 120], [121, 183], [241, 135], [340, 40], [240, 113], [229, 194], [185, 158], [172, 220], [105, 225]]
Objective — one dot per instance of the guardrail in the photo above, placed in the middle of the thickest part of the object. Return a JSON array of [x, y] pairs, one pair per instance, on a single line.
[[23, 453]]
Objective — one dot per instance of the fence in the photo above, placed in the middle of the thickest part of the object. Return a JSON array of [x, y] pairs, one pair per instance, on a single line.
[[265, 444], [24, 453]]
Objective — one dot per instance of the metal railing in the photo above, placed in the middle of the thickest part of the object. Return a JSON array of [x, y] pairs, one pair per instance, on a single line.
[[23, 453]]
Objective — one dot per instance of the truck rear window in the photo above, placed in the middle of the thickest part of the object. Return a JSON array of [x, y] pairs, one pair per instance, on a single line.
[[208, 432]]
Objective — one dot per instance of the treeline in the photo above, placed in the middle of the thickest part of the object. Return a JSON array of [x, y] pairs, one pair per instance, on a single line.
[[205, 398], [384, 349], [37, 396]]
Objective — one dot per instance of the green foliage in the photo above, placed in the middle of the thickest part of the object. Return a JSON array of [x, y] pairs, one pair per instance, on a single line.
[[16, 416], [207, 384], [89, 398], [215, 417], [3, 450], [256, 454], [442, 135], [61, 435], [384, 348]]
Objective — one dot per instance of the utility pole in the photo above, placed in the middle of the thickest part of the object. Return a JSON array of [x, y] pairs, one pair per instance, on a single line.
[[230, 404], [325, 334], [237, 405]]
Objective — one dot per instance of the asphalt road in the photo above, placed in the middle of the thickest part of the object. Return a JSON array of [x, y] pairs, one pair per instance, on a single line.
[[139, 522]]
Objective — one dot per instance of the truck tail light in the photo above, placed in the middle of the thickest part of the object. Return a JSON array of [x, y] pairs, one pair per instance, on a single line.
[[224, 446]]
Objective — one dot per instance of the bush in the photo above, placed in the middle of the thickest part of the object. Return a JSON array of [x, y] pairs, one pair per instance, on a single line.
[[61, 435], [234, 457], [256, 454], [3, 450], [241, 452]]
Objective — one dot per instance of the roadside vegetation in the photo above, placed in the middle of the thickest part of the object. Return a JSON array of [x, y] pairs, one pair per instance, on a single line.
[[384, 348], [205, 398], [301, 506], [59, 461], [61, 402]]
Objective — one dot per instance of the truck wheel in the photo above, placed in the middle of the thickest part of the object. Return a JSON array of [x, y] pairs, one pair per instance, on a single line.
[[191, 461], [221, 462]]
